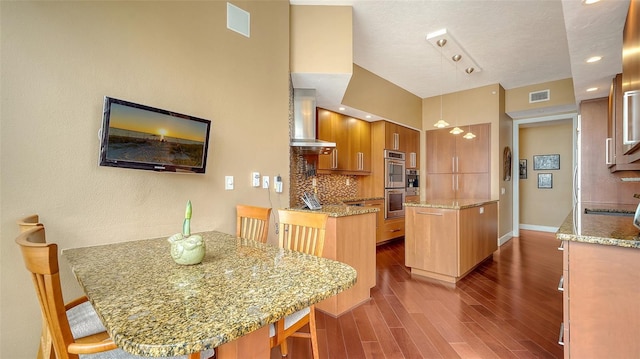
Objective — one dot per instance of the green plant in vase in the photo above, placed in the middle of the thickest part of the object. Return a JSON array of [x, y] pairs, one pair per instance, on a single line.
[[186, 248]]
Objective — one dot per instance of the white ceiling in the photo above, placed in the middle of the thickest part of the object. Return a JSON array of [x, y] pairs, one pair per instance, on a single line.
[[515, 42]]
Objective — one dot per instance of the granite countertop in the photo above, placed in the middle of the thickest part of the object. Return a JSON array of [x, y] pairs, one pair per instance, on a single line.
[[450, 203], [152, 306], [339, 210], [360, 199], [605, 229]]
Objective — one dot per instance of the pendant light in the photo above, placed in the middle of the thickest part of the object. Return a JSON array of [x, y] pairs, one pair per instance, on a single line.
[[456, 130], [441, 123], [469, 135]]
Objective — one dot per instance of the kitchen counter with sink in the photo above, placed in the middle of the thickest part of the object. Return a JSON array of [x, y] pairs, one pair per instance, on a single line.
[[610, 225], [339, 210]]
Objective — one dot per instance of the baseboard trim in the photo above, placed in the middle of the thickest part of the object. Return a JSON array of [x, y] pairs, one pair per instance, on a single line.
[[533, 227], [504, 239]]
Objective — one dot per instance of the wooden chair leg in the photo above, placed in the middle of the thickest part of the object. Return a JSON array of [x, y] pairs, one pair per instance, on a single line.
[[283, 348], [313, 332]]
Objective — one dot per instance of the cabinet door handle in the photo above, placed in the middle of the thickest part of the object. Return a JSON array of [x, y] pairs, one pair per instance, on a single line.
[[394, 230], [335, 158], [561, 284], [396, 141], [561, 336], [561, 248], [607, 151], [430, 213], [453, 164]]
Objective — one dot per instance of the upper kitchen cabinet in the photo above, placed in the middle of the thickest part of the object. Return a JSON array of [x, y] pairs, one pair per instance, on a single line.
[[403, 139], [352, 154], [359, 133], [458, 167], [631, 82], [614, 146]]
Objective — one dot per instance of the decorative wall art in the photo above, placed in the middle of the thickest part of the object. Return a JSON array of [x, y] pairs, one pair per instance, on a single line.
[[545, 180], [546, 162], [506, 157], [523, 169]]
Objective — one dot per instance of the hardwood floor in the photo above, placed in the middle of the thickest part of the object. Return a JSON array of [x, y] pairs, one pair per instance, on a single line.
[[509, 307]]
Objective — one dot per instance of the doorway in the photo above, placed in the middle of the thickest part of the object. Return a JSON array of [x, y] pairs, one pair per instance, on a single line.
[[543, 121]]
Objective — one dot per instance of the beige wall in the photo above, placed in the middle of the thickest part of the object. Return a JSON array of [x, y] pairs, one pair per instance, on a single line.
[[561, 99], [371, 93], [322, 40], [59, 59], [546, 207]]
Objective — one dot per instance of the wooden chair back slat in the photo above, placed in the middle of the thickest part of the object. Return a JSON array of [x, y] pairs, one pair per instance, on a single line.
[[252, 222], [302, 231]]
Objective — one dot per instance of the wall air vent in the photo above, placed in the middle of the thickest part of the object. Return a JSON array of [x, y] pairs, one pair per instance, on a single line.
[[539, 96]]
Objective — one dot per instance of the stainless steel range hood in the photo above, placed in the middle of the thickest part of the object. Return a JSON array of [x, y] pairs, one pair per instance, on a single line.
[[303, 136]]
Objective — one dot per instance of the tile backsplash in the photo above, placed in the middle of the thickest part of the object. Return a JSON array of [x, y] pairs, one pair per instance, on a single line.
[[330, 188]]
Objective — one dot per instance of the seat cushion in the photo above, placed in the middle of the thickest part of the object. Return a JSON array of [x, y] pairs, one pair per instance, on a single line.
[[289, 320], [84, 321]]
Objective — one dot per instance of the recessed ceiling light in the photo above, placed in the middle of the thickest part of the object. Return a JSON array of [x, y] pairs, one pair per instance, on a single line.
[[368, 116], [591, 89], [594, 59], [341, 108], [589, 2]]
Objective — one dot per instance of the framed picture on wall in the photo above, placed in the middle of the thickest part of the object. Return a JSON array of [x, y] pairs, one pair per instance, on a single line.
[[545, 180], [523, 169], [546, 162]]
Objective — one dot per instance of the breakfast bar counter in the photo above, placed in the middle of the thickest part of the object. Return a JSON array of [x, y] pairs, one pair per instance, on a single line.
[[350, 238], [152, 306]]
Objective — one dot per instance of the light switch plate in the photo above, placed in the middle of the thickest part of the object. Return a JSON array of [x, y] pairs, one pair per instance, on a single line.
[[228, 182], [255, 179], [265, 182]]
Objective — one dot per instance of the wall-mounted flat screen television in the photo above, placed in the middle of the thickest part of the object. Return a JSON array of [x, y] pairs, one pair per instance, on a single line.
[[143, 137]]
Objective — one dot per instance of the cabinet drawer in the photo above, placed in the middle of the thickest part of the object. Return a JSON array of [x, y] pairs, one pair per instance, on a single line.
[[391, 229]]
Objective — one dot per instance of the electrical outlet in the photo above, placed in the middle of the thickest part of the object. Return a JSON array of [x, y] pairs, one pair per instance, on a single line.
[[228, 182], [265, 182], [255, 179], [277, 183]]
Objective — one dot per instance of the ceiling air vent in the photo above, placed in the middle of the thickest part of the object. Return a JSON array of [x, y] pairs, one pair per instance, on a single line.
[[539, 96]]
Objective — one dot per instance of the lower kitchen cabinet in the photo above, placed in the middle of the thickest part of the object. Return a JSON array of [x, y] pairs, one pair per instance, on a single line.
[[447, 243], [351, 240], [390, 229], [601, 294]]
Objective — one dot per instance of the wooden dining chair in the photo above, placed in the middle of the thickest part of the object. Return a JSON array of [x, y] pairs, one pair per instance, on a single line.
[[41, 260], [252, 222], [302, 232], [82, 318]]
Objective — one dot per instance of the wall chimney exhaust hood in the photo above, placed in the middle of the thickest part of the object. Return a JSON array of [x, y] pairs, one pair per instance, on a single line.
[[303, 136]]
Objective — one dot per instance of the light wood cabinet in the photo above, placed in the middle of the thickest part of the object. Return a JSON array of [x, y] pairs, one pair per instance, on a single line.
[[359, 141], [458, 167], [352, 154], [390, 229], [601, 296], [446, 244], [405, 140], [351, 240]]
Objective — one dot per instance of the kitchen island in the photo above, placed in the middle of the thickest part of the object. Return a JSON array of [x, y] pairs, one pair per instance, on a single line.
[[446, 239], [350, 238], [600, 282]]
